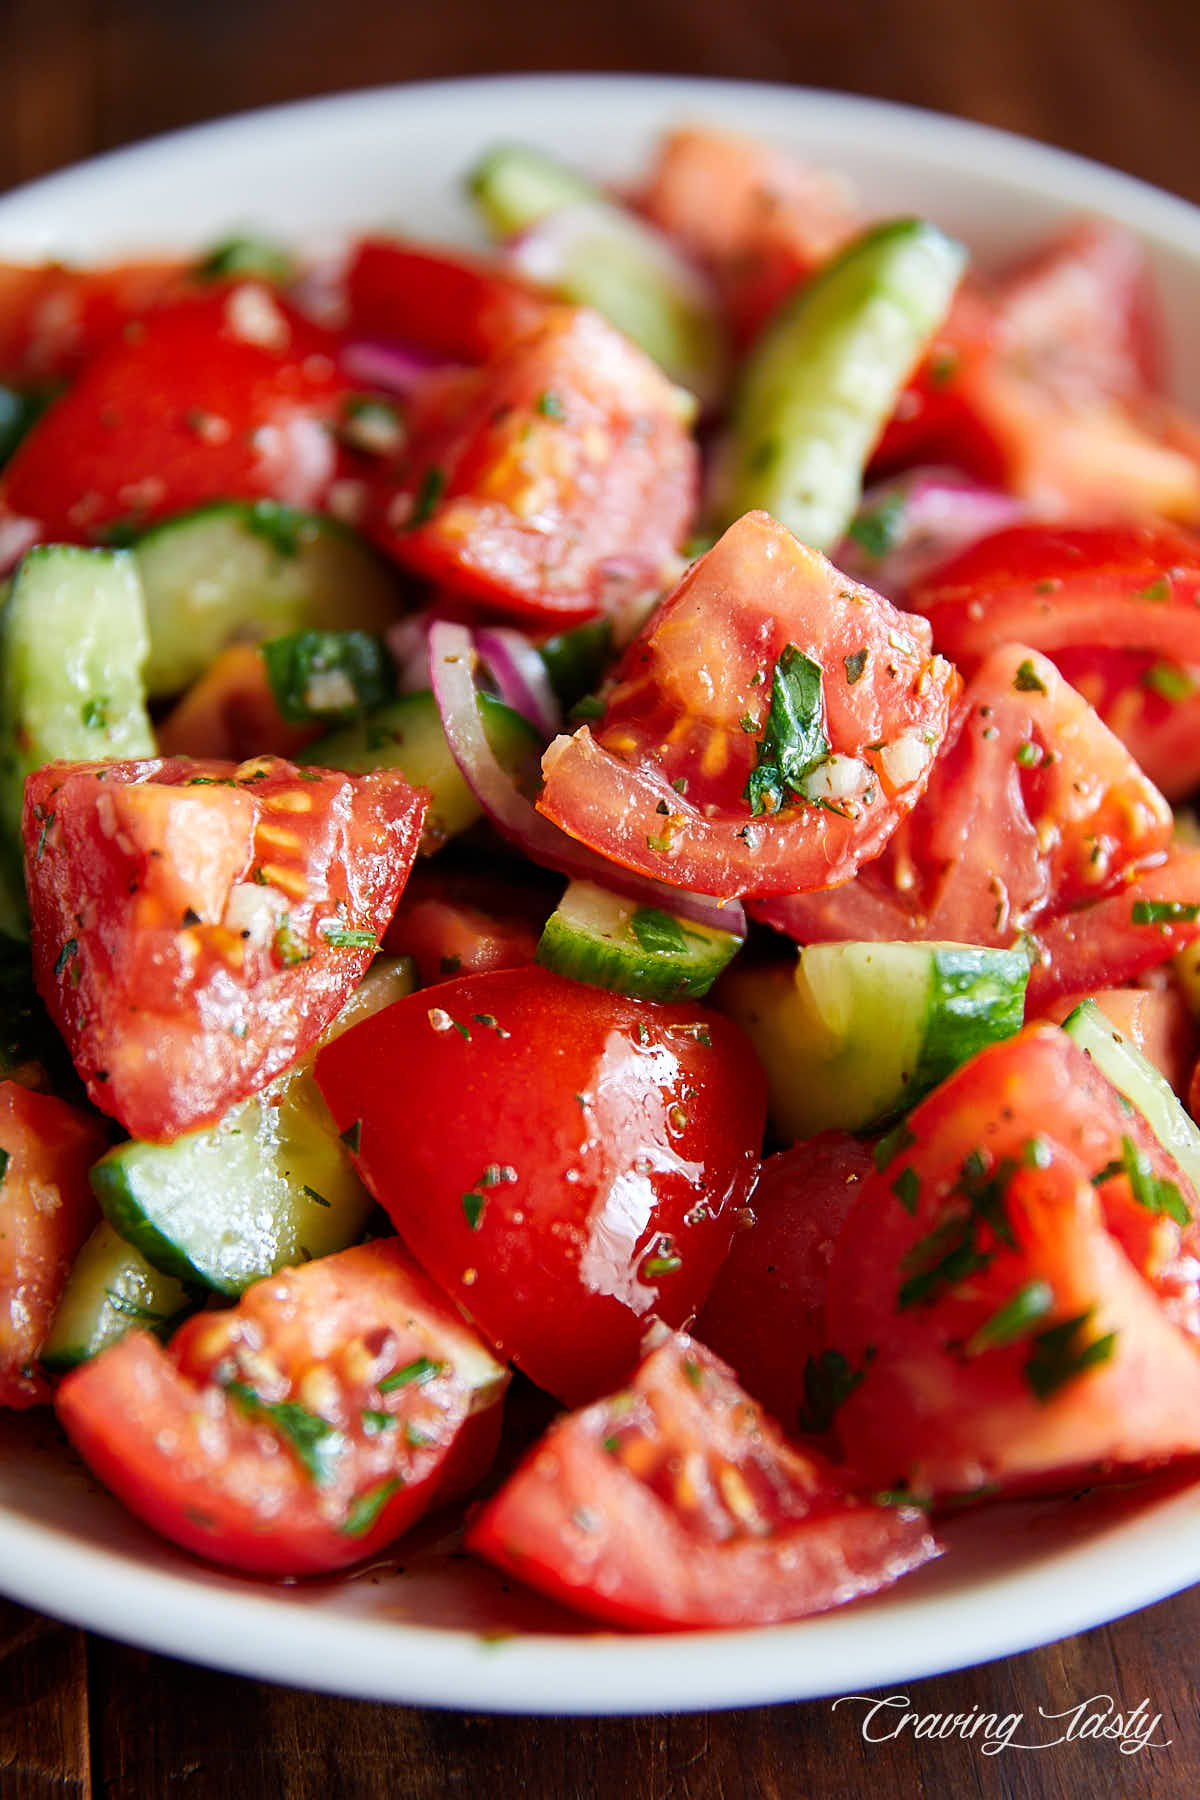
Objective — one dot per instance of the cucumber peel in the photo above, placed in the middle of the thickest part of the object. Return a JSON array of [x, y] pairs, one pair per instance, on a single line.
[[608, 941]]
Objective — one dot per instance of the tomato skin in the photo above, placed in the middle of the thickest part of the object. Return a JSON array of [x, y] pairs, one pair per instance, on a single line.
[[53, 318], [678, 1504], [214, 1473], [230, 396], [765, 1313], [554, 482], [943, 1413], [658, 784], [463, 922], [181, 912], [455, 306], [605, 1194], [1105, 944], [47, 1209]]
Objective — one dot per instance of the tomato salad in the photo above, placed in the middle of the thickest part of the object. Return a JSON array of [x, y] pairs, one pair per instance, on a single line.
[[601, 816]]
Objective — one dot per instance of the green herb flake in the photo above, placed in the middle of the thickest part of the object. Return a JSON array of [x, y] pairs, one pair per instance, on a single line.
[[828, 1381], [1156, 592], [907, 1189], [331, 677], [69, 949], [1059, 1355], [880, 527], [94, 713], [1165, 912], [340, 939], [365, 1511], [856, 664], [318, 1199], [1015, 1319], [1170, 681], [317, 1444], [1027, 755], [793, 741], [374, 1421], [433, 485], [289, 947], [940, 1260], [352, 1137], [900, 1138], [550, 406], [5, 1159], [658, 933], [472, 1205], [417, 1372], [1028, 681], [1154, 1192]]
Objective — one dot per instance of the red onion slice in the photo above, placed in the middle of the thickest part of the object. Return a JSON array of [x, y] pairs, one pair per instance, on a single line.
[[520, 676], [391, 367], [17, 535], [452, 658], [922, 518]]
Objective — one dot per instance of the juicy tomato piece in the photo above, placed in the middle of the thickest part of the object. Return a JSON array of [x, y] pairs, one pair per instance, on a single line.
[[1156, 1021], [556, 481], [1119, 938], [231, 713], [1033, 808], [456, 306], [228, 396], [765, 1315], [758, 219], [1151, 702], [303, 1429], [660, 783], [608, 1194], [53, 318], [1046, 382], [1018, 1286], [196, 925], [47, 1209], [677, 1503], [459, 922]]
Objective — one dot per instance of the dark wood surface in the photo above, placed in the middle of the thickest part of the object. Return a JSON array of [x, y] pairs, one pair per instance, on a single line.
[[1113, 79]]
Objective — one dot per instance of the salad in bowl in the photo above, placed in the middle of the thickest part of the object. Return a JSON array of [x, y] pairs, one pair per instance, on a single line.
[[601, 918]]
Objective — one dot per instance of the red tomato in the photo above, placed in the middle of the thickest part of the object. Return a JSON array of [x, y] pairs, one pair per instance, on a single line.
[[455, 306], [1119, 938], [1033, 808], [559, 480], [231, 713], [465, 922], [765, 1315], [659, 786], [196, 925], [1021, 1314], [1152, 703], [228, 396], [52, 318], [757, 218], [47, 1209], [1156, 1021], [566, 1162], [677, 1503], [1046, 383], [303, 1429]]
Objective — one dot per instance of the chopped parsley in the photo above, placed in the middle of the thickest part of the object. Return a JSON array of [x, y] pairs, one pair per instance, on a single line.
[[1059, 1354], [289, 947], [94, 712], [352, 1137], [907, 1189], [419, 1371], [1169, 680], [856, 664], [433, 484], [900, 1138], [332, 677], [828, 1381], [658, 933], [880, 528], [1165, 912], [1028, 681], [364, 1512], [550, 406], [340, 939], [793, 741], [1154, 1192], [316, 1442], [1015, 1319]]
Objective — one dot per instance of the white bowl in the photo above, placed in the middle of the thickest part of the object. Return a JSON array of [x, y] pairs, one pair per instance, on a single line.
[[440, 1629]]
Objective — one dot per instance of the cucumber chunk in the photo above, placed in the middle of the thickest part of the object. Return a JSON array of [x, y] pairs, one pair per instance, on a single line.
[[111, 1289], [853, 1034], [610, 942], [72, 644], [1144, 1086], [820, 383], [251, 570], [269, 1186], [602, 255], [408, 735]]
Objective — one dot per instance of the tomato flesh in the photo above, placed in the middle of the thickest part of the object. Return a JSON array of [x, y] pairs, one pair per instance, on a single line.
[[566, 1162], [196, 925], [47, 1209], [454, 306], [677, 1503], [658, 785], [303, 1429]]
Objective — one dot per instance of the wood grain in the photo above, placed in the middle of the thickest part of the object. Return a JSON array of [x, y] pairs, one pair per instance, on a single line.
[[1113, 79]]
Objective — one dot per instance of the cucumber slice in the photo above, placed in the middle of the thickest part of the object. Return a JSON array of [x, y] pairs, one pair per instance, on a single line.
[[1144, 1086], [855, 1033], [331, 676], [251, 570], [820, 383], [408, 735], [270, 1185], [602, 255], [72, 644], [610, 942], [111, 1289]]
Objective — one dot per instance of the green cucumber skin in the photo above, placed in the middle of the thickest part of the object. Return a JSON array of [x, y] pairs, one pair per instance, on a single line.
[[73, 641], [514, 186], [112, 1289], [981, 998], [1144, 1086], [603, 951], [819, 385], [240, 570]]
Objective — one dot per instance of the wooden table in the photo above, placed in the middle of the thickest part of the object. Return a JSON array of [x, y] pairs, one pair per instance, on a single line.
[[1114, 79]]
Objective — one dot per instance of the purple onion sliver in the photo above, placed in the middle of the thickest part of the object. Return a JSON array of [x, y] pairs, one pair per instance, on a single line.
[[393, 368], [520, 676]]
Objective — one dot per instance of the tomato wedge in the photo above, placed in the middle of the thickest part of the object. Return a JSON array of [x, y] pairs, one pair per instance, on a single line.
[[47, 1209], [303, 1429], [566, 1162], [196, 925], [230, 396], [459, 307], [556, 481], [760, 629], [53, 317], [1018, 1286], [677, 1503]]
